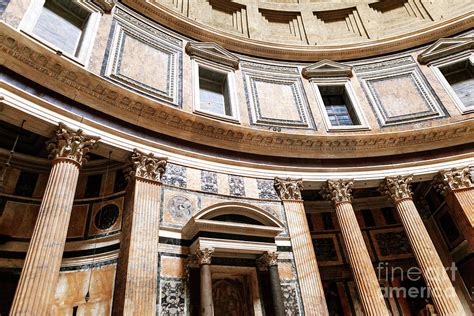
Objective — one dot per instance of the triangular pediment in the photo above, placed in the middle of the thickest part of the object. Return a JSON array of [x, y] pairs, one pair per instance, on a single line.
[[327, 68], [444, 47], [212, 51]]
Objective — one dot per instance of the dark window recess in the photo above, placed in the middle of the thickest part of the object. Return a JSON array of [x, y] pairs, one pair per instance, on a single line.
[[460, 76], [74, 310], [26, 183], [327, 221], [120, 182], [194, 292], [93, 185], [449, 228], [3, 202], [338, 106], [236, 218], [368, 218], [388, 215], [309, 218]]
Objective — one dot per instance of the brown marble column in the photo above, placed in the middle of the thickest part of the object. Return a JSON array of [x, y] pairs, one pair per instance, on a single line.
[[339, 192], [137, 272], [204, 260], [312, 292], [39, 277], [457, 187], [442, 291], [270, 261]]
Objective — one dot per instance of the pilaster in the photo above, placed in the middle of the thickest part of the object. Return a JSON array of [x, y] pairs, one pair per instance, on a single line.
[[137, 272]]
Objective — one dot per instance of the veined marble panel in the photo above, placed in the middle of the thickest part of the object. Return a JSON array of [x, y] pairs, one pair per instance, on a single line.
[[144, 58], [172, 296], [400, 95], [276, 100]]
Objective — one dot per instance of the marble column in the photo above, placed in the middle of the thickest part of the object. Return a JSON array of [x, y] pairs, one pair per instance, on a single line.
[[312, 292], [442, 291], [269, 261], [137, 271], [457, 187], [39, 277], [204, 259], [339, 192]]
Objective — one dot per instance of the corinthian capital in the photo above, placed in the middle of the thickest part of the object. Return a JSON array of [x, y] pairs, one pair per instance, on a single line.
[[289, 189], [268, 259], [338, 191], [147, 166], [204, 256], [397, 188], [69, 144], [454, 179]]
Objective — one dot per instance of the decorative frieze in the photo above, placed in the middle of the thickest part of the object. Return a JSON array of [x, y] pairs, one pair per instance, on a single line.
[[454, 179], [397, 188], [338, 191], [289, 189], [204, 256], [73, 145], [147, 166]]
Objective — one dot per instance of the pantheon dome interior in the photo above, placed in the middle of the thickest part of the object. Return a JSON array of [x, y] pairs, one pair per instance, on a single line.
[[237, 157]]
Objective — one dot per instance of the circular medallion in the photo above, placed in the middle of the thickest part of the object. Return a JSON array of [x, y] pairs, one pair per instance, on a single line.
[[180, 207], [107, 216]]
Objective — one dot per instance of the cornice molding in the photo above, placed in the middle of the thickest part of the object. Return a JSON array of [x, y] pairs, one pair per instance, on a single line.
[[180, 23], [326, 68], [213, 52], [446, 47], [39, 64]]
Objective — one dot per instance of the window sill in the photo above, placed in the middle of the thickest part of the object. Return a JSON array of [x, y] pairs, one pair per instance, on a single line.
[[230, 119]]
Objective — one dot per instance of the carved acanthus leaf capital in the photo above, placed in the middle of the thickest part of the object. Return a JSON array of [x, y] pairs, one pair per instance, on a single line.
[[268, 259], [105, 5], [289, 189], [69, 144], [338, 191], [147, 166], [454, 179], [397, 188], [204, 255]]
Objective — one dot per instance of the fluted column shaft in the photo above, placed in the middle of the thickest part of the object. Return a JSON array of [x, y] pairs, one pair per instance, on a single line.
[[309, 279], [442, 291], [40, 273], [37, 284], [137, 272], [359, 259]]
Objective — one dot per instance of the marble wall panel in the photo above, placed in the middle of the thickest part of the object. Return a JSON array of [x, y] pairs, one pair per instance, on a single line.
[[144, 57], [175, 175], [78, 221], [275, 98], [73, 286], [172, 267], [391, 243], [172, 297], [398, 92], [18, 219]]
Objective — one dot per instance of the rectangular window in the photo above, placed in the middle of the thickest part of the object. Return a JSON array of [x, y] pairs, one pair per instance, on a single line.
[[327, 221], [388, 216], [368, 218], [214, 92], [460, 76], [94, 183], [67, 26], [62, 24], [338, 106]]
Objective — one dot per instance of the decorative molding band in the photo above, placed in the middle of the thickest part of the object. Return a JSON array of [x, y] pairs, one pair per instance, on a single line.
[[326, 68], [446, 47], [392, 43], [39, 64]]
